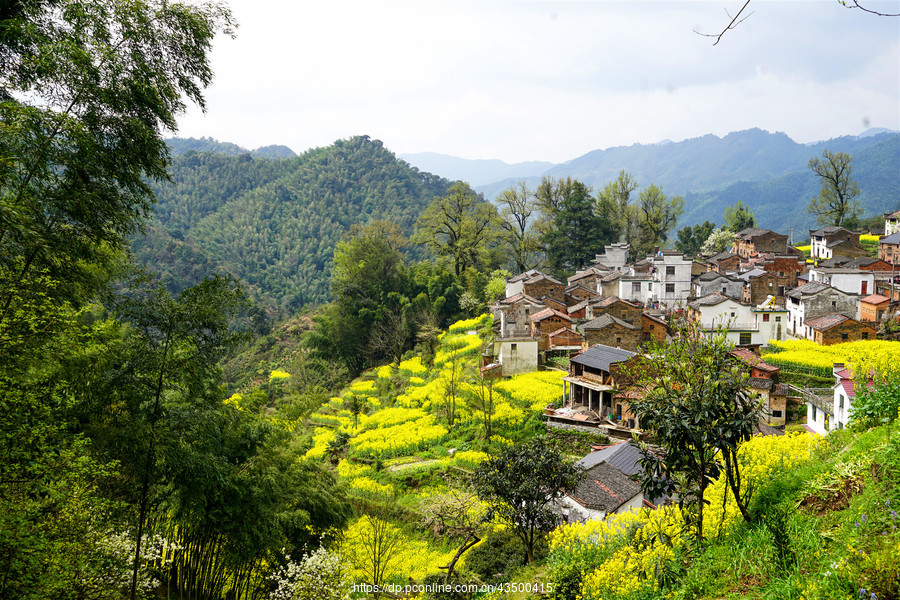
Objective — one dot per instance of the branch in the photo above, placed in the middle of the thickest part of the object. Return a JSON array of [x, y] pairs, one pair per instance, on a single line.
[[735, 21], [856, 4]]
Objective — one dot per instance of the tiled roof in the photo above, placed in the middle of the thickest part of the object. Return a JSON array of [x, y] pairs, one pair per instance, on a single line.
[[829, 230], [781, 389], [875, 299], [808, 289], [751, 232], [604, 488], [523, 276], [708, 300], [604, 321], [623, 456], [602, 357], [547, 313], [541, 276], [827, 321], [760, 383], [748, 357], [894, 238], [520, 296], [720, 256]]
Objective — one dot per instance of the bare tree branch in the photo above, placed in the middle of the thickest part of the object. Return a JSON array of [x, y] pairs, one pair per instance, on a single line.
[[735, 21], [856, 4]]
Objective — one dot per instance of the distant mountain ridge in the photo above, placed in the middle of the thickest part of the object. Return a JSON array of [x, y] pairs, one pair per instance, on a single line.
[[274, 222], [473, 171]]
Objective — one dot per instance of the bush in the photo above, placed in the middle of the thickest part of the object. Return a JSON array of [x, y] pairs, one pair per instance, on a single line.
[[499, 555]]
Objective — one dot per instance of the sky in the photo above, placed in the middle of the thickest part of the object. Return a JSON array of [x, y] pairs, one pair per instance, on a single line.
[[523, 80]]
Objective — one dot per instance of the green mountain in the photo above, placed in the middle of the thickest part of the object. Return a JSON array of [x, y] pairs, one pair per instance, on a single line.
[[274, 222], [768, 171]]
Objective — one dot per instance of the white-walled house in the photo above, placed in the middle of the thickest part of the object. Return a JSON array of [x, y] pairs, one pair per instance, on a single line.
[[851, 281], [672, 273], [516, 355], [844, 394], [814, 299], [636, 288], [747, 325], [819, 416]]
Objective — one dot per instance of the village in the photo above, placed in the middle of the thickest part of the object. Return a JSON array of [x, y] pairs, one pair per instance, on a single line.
[[762, 289]]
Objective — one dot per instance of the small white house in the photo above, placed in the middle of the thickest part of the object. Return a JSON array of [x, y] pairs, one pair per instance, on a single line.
[[851, 281], [516, 355], [672, 274], [819, 415], [747, 325]]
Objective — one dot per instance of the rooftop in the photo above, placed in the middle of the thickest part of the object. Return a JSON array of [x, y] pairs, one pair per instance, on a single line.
[[602, 357]]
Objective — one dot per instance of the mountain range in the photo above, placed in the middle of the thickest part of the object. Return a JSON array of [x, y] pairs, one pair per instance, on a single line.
[[272, 217]]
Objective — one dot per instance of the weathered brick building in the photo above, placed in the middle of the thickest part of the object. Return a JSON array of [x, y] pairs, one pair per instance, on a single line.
[[610, 331], [834, 328], [753, 240]]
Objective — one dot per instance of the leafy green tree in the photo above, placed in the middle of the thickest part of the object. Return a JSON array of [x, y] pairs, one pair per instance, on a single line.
[[618, 193], [738, 217], [547, 199], [519, 485], [658, 214], [516, 214], [87, 90], [698, 406], [578, 233], [690, 239], [836, 201], [461, 225]]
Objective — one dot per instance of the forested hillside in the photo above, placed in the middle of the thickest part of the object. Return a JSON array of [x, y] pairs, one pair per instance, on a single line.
[[275, 223]]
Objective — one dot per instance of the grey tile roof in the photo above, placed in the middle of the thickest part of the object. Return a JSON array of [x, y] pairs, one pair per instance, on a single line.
[[624, 456], [808, 289], [708, 300], [603, 321], [604, 488], [894, 238], [601, 357]]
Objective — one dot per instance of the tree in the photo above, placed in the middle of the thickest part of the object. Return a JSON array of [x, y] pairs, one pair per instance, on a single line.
[[836, 201], [547, 199], [658, 215], [86, 91], [461, 225], [481, 400], [738, 217], [690, 239], [517, 209], [456, 515], [697, 405], [718, 240], [519, 485], [618, 193], [375, 543], [578, 233]]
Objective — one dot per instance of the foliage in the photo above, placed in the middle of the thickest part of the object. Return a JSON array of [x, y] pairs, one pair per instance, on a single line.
[[658, 215], [690, 240], [738, 217], [518, 486], [319, 574], [461, 225], [499, 555], [578, 233], [517, 212], [719, 240], [836, 201], [877, 402], [697, 404]]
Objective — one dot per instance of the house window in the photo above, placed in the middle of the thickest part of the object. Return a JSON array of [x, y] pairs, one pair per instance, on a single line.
[[778, 319], [513, 349], [636, 287], [670, 288], [814, 413], [841, 403], [776, 414], [765, 318], [844, 335], [618, 341], [865, 335], [745, 339], [670, 271], [834, 304]]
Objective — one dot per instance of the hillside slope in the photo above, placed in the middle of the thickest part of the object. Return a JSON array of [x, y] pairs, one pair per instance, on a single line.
[[274, 223]]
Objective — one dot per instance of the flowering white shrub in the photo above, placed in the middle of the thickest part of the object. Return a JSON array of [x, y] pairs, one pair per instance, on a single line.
[[319, 575]]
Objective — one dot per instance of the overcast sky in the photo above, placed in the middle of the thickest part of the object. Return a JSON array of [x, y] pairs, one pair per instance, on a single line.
[[525, 80]]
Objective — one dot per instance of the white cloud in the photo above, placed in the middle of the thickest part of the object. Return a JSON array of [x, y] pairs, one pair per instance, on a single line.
[[528, 80]]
